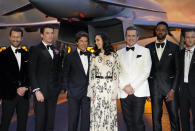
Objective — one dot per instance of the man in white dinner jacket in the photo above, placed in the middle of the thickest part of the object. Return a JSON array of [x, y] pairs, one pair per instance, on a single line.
[[135, 65]]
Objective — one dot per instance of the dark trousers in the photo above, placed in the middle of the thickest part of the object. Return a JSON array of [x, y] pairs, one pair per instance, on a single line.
[[78, 108], [133, 110], [45, 114], [21, 105], [187, 102], [172, 108]]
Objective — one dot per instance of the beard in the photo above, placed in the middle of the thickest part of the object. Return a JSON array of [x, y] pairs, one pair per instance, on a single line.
[[189, 45], [161, 37]]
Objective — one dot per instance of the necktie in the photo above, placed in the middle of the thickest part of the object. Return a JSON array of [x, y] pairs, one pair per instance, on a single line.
[[83, 53], [160, 44], [130, 48], [18, 50]]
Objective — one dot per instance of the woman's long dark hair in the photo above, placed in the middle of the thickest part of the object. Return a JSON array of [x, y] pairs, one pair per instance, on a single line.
[[108, 48]]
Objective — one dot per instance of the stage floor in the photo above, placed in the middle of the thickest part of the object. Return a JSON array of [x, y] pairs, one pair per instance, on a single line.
[[61, 122]]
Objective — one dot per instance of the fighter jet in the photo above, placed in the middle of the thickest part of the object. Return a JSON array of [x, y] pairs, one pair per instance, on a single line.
[[109, 16]]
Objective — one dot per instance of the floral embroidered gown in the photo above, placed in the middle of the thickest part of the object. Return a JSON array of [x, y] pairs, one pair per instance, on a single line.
[[103, 87]]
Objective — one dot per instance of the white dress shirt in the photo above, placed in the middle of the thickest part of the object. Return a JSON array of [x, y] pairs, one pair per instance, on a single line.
[[188, 58], [49, 50], [17, 55], [160, 50], [84, 60], [135, 69]]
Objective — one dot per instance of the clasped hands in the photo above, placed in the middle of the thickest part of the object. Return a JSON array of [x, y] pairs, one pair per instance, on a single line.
[[128, 89], [21, 91]]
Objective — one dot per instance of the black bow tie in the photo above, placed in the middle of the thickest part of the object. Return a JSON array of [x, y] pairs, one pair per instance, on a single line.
[[84, 53], [160, 44], [130, 48], [50, 46], [190, 51], [18, 50]]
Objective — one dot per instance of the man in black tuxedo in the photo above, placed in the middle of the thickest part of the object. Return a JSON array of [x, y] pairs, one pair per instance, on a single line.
[[44, 70], [163, 80], [187, 80], [76, 77], [14, 82]]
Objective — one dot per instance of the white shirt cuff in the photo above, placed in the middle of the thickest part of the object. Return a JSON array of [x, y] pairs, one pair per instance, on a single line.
[[37, 89]]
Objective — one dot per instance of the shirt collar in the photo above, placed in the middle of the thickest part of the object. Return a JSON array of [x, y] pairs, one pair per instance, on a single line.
[[78, 50], [192, 49], [45, 44], [165, 41], [14, 48]]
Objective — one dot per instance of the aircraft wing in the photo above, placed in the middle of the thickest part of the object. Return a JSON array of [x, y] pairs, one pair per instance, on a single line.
[[10, 7], [35, 24], [136, 4], [172, 24]]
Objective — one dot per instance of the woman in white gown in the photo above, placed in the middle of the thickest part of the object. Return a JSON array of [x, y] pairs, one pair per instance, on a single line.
[[103, 85]]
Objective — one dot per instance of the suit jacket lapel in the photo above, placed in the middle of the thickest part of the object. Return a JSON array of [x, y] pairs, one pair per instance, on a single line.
[[182, 63], [78, 61], [165, 52], [13, 59], [55, 55], [192, 60], [45, 51], [88, 64], [22, 60], [183, 58], [155, 53]]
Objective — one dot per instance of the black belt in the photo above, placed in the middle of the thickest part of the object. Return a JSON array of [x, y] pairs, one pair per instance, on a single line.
[[106, 77]]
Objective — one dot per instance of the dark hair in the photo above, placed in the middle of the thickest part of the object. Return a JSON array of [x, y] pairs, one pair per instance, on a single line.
[[186, 30], [132, 28], [108, 48], [16, 29], [42, 29], [80, 34], [163, 23]]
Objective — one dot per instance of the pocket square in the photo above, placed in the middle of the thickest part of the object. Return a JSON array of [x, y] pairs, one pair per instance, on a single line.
[[169, 54], [138, 56]]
